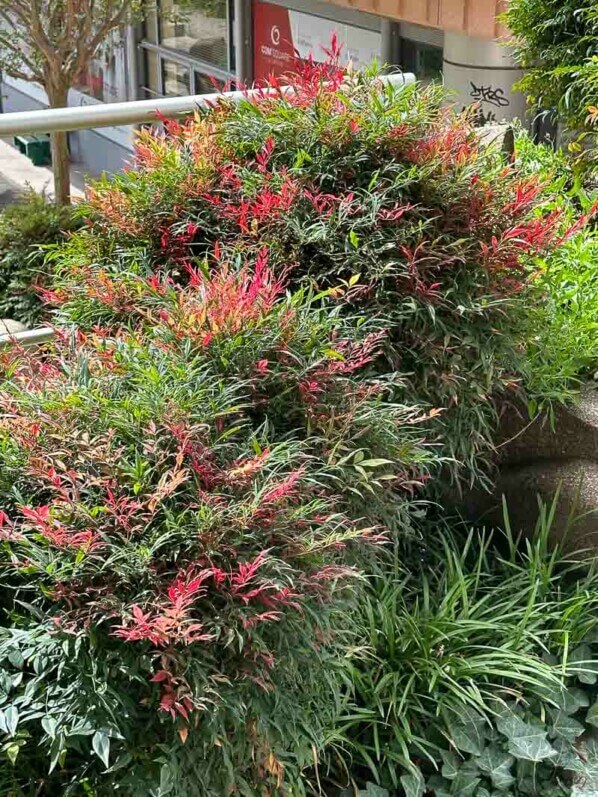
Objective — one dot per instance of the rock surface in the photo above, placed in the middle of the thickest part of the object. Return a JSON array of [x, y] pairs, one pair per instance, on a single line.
[[537, 460], [9, 327]]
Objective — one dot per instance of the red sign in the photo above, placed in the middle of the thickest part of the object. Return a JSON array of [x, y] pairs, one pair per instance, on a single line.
[[273, 50]]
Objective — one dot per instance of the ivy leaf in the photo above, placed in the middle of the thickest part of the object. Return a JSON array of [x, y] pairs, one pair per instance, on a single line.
[[566, 727], [101, 746], [568, 700], [497, 764], [450, 766], [525, 741], [413, 784], [468, 734], [578, 698], [438, 786], [592, 715], [587, 666], [372, 790]]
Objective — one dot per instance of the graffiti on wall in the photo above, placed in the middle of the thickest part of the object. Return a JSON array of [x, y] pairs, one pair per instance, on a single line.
[[489, 94]]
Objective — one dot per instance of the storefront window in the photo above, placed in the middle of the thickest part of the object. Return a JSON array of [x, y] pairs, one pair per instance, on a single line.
[[187, 46], [175, 79], [105, 78], [151, 71], [206, 84], [424, 60], [91, 82], [199, 28]]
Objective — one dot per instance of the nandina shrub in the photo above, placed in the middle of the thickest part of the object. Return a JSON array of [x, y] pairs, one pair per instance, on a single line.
[[383, 196], [180, 507]]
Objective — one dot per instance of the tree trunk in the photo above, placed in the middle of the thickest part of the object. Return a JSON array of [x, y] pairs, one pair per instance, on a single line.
[[60, 151], [61, 168]]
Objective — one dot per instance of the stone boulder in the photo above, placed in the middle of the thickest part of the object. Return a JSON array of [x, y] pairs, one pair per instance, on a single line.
[[10, 327], [538, 460]]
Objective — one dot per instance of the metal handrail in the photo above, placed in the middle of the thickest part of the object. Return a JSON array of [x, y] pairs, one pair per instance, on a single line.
[[90, 117], [30, 337]]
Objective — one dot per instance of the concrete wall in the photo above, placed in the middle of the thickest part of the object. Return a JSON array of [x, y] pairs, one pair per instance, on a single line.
[[475, 17], [483, 72]]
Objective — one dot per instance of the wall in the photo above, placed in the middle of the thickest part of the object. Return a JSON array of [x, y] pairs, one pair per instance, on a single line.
[[475, 17], [482, 72], [281, 34]]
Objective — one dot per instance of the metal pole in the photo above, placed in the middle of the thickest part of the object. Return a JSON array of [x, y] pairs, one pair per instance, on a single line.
[[113, 114]]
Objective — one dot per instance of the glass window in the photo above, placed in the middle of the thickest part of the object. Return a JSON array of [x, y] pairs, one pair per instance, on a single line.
[[91, 81], [206, 84], [199, 28], [151, 74], [175, 79], [424, 60]]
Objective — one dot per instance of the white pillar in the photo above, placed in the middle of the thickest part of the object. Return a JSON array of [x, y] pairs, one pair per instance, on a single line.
[[483, 72]]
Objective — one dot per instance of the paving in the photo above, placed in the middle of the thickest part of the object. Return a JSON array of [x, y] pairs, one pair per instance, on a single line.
[[18, 174]]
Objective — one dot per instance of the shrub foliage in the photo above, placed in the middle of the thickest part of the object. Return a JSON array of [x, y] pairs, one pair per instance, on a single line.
[[25, 229], [383, 197], [177, 505], [272, 332]]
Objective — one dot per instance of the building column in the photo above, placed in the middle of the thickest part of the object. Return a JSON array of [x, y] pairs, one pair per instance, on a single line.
[[243, 38], [483, 73], [389, 42]]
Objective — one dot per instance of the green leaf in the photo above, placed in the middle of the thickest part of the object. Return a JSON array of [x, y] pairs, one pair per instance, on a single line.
[[466, 783], [525, 741], [354, 239], [15, 657], [497, 764], [592, 715], [586, 666], [101, 746], [166, 780], [11, 719], [566, 727], [333, 354], [413, 784], [438, 786], [49, 725], [12, 752], [372, 790], [451, 764], [468, 734]]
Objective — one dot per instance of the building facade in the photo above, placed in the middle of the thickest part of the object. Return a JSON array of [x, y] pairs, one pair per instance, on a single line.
[[217, 43]]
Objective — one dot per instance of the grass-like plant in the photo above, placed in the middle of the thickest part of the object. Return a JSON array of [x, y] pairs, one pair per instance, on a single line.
[[466, 671]]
